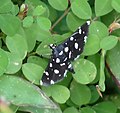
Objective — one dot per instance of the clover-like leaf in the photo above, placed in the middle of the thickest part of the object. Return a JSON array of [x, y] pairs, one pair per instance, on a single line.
[[102, 7], [59, 4], [81, 9], [17, 44], [32, 72], [79, 92], [85, 71]]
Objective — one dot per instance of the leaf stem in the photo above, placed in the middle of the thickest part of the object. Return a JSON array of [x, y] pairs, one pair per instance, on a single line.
[[113, 76], [64, 14]]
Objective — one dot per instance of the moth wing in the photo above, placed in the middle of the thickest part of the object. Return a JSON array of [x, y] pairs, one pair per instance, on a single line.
[[54, 72], [76, 41]]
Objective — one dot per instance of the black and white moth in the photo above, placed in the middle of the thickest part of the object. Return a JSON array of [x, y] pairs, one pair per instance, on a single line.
[[63, 54]]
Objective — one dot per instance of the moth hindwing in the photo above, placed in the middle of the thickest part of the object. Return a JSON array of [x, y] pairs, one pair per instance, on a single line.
[[63, 54]]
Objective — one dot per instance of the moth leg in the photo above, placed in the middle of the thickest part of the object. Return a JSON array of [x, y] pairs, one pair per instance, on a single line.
[[70, 68]]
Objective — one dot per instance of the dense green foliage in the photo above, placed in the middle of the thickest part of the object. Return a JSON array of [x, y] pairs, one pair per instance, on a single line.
[[28, 27]]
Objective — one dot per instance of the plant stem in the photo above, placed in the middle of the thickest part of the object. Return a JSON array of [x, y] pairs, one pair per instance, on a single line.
[[64, 14]]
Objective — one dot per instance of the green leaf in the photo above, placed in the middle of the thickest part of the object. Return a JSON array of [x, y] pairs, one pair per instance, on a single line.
[[39, 110], [17, 45], [81, 9], [102, 7], [23, 93], [115, 99], [43, 48], [60, 93], [44, 23], [85, 71], [109, 18], [94, 94], [32, 72], [113, 57], [14, 63], [13, 108], [67, 80], [39, 10], [96, 60], [28, 21], [99, 29], [116, 5], [53, 14], [39, 34], [43, 34], [5, 6], [87, 110], [30, 36], [118, 111], [105, 107], [3, 61], [37, 60], [60, 5], [58, 39], [9, 24], [71, 18], [0, 43], [33, 4], [15, 10], [92, 46], [70, 110], [108, 42], [80, 94], [47, 90], [70, 103], [102, 72]]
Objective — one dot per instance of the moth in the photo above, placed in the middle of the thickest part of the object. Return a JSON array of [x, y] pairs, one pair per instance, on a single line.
[[63, 54]]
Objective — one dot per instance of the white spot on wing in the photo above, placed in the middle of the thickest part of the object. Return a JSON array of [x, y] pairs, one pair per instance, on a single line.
[[88, 22], [66, 49], [65, 43], [77, 57], [62, 64], [41, 83], [59, 75], [65, 73], [50, 64], [65, 59], [56, 71], [70, 53], [70, 65], [85, 39], [52, 46], [80, 31], [61, 53], [71, 38], [46, 73], [76, 45], [52, 82], [74, 33], [57, 60]]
